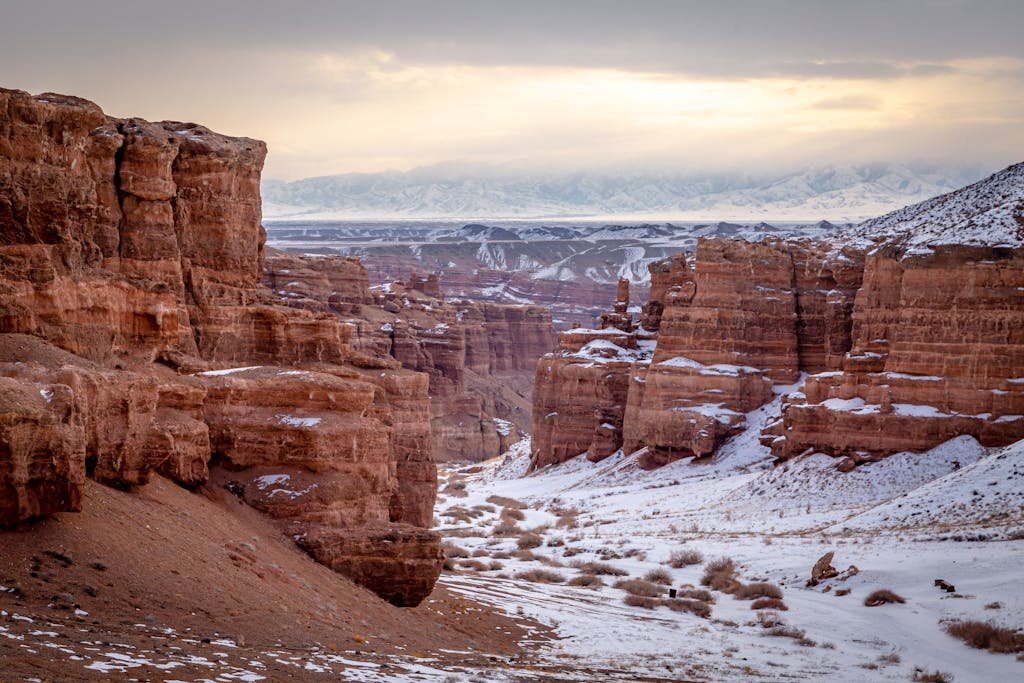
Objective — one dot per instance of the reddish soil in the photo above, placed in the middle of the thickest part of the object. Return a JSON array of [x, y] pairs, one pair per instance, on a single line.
[[209, 567]]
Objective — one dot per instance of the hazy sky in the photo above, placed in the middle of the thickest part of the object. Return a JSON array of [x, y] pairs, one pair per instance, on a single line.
[[366, 86]]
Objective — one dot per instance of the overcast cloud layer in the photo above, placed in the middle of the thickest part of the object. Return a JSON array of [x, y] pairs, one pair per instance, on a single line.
[[341, 86]]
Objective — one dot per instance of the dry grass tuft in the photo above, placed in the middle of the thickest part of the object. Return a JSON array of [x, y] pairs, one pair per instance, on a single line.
[[659, 576], [924, 676], [881, 597], [512, 515], [986, 636], [641, 601], [502, 501], [451, 550], [758, 590], [641, 587], [505, 529], [769, 603], [524, 555], [475, 565], [696, 594], [598, 568], [685, 558], [586, 581], [720, 575], [701, 609], [540, 576], [528, 540]]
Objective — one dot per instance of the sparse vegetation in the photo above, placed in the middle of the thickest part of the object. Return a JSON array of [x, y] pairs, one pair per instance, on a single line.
[[720, 575], [602, 568], [502, 501], [528, 540], [700, 594], [512, 514], [524, 555], [644, 601], [684, 558], [701, 609], [881, 597], [986, 636], [660, 576], [925, 676], [540, 576], [586, 581], [506, 529], [758, 590], [452, 550], [640, 587], [769, 603]]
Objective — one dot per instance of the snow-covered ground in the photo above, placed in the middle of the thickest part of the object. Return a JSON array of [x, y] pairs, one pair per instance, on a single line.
[[903, 523]]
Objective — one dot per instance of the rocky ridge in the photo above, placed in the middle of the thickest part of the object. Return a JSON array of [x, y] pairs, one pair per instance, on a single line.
[[907, 341], [130, 268]]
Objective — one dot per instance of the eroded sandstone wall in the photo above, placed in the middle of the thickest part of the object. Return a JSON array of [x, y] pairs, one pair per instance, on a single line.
[[130, 291]]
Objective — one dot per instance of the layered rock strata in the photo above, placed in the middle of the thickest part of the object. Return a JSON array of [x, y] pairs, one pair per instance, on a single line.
[[130, 269]]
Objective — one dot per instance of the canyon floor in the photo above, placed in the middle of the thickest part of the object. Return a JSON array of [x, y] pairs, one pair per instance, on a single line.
[[904, 522]]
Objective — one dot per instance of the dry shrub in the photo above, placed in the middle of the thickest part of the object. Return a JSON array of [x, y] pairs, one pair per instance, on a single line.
[[512, 514], [557, 542], [527, 541], [567, 518], [701, 609], [891, 658], [502, 501], [549, 561], [456, 489], [769, 603], [524, 555], [925, 676], [506, 529], [758, 590], [457, 514], [586, 581], [720, 575], [598, 568], [684, 558], [570, 552], [495, 565], [986, 636], [641, 601], [480, 552], [501, 555], [696, 594], [769, 619], [641, 587], [882, 597], [452, 550], [484, 508], [475, 565], [659, 576], [540, 576]]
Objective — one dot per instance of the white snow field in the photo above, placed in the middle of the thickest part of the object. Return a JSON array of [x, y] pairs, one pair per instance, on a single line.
[[954, 513]]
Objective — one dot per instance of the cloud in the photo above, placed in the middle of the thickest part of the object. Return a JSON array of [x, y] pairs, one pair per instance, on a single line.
[[359, 86]]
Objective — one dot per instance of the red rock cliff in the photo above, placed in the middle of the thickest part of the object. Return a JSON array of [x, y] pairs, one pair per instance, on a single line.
[[130, 259]]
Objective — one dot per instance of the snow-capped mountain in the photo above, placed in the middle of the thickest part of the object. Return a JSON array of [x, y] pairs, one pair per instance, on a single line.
[[989, 212], [838, 193]]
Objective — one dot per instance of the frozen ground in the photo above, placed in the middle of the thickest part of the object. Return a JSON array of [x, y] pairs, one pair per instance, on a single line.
[[903, 522]]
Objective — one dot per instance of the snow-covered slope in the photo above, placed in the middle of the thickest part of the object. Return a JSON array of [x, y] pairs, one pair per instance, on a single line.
[[843, 193], [989, 212], [980, 493]]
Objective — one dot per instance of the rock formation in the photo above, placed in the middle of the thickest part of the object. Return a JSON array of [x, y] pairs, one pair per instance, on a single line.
[[130, 273], [911, 340]]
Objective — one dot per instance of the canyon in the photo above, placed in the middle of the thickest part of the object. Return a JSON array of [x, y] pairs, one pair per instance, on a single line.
[[175, 375], [139, 338], [906, 340]]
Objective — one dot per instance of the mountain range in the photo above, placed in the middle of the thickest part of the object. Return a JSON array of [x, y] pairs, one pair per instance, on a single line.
[[840, 193]]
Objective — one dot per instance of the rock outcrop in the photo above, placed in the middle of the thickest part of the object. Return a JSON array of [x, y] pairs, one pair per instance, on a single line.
[[907, 343], [938, 352], [131, 259]]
